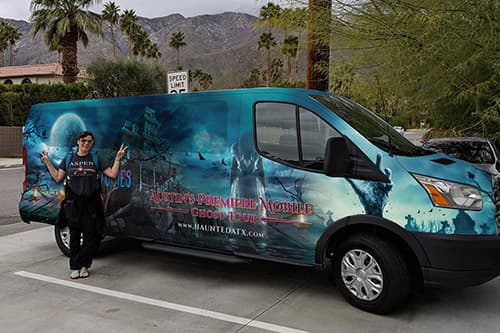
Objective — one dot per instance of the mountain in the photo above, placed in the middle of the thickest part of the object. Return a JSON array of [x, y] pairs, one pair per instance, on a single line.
[[224, 45]]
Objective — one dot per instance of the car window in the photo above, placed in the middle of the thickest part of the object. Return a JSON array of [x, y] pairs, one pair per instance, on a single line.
[[368, 124], [276, 131], [285, 132], [314, 134]]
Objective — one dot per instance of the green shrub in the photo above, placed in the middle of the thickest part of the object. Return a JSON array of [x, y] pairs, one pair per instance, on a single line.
[[126, 78], [17, 99]]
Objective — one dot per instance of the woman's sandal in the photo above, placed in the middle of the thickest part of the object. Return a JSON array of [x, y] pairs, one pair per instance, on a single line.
[[84, 273], [74, 274]]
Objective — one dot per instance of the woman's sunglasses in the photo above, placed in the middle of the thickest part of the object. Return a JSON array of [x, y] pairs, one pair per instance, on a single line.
[[85, 141]]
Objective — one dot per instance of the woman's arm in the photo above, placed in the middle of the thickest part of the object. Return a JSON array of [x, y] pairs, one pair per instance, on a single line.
[[113, 171], [59, 174]]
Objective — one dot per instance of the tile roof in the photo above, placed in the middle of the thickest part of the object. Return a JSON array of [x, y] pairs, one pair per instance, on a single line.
[[36, 70]]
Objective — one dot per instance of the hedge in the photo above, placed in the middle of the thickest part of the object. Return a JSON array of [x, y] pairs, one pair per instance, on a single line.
[[17, 99]]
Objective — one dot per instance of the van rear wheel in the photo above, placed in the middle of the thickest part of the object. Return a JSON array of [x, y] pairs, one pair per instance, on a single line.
[[62, 238], [371, 273], [62, 235]]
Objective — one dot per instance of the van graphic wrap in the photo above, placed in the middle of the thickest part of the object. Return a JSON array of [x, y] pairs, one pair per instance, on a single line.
[[191, 176], [288, 175]]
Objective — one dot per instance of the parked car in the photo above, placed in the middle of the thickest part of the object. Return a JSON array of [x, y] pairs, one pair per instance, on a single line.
[[478, 151], [399, 129]]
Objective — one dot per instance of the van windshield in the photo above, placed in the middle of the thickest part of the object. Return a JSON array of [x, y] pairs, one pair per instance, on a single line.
[[377, 131]]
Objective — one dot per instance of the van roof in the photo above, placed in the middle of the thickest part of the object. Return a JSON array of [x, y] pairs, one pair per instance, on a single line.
[[127, 99]]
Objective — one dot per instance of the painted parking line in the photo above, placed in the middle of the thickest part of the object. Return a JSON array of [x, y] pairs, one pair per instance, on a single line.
[[162, 304]]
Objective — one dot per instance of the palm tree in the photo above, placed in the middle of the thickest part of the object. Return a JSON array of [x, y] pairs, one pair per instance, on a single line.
[[284, 21], [4, 42], [111, 13], [205, 80], [13, 35], [276, 69], [153, 51], [299, 22], [176, 42], [289, 50], [267, 41], [253, 79], [141, 42], [128, 25], [55, 45], [195, 75], [67, 21], [269, 14]]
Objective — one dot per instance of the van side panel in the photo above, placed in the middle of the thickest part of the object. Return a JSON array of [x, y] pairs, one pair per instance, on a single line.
[[192, 176]]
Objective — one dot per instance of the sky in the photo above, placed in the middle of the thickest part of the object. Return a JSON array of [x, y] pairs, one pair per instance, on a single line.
[[19, 9]]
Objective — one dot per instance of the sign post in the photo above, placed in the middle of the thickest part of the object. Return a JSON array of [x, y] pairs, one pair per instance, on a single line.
[[178, 82]]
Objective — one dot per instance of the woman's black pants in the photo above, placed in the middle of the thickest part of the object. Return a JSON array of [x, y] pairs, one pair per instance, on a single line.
[[83, 222]]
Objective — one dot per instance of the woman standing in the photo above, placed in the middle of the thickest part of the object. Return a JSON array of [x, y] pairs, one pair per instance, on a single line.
[[82, 203]]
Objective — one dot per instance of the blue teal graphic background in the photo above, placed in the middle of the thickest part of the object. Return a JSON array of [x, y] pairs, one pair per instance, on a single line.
[[204, 143]]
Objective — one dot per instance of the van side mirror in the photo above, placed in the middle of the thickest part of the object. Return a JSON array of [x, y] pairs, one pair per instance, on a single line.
[[337, 157], [344, 159]]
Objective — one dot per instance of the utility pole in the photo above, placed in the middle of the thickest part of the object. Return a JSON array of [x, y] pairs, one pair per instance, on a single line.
[[318, 44]]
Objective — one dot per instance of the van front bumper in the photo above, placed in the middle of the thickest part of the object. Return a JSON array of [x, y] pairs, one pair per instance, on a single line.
[[458, 260]]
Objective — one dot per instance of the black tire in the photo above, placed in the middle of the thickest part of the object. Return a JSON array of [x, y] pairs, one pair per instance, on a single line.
[[386, 275], [61, 232], [62, 238]]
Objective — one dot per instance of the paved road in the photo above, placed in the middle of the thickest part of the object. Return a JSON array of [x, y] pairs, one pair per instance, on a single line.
[[414, 135], [134, 290], [10, 191]]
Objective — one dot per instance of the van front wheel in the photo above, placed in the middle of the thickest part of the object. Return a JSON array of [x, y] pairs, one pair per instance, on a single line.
[[62, 238], [371, 273]]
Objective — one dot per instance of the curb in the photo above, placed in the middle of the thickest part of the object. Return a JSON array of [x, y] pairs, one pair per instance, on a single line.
[[8, 166]]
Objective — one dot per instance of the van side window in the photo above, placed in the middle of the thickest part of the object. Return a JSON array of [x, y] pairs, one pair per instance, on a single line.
[[276, 127], [292, 134]]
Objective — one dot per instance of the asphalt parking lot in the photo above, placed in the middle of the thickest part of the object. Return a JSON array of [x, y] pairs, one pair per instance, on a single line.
[[132, 290]]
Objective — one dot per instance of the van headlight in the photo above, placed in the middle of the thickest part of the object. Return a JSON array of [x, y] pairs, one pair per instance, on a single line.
[[448, 194]]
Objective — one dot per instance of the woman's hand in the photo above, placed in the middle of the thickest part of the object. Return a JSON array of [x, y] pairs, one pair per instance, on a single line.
[[121, 153], [58, 175], [113, 171], [44, 157]]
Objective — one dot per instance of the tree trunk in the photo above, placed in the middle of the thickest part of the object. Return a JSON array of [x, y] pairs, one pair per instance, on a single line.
[[288, 68], [299, 46], [268, 69], [10, 54], [113, 41], [69, 57], [318, 45]]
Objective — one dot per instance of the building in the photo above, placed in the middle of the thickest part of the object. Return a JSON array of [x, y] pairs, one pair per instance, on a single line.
[[41, 73]]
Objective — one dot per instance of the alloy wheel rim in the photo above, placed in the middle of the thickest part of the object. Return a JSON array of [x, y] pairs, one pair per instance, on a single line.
[[361, 275], [64, 232]]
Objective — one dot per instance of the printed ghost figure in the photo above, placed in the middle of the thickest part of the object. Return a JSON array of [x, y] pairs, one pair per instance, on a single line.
[[373, 195], [247, 171], [247, 181]]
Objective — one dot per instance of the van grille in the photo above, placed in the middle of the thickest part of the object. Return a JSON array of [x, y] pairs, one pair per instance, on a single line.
[[496, 196]]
